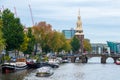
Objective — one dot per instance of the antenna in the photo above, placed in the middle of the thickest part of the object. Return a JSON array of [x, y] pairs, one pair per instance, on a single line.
[[31, 14]]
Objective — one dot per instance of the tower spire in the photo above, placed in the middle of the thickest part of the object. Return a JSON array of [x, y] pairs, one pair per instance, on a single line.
[[79, 29], [79, 12], [79, 32]]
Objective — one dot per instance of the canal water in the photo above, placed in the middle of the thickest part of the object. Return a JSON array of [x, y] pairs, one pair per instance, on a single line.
[[93, 70]]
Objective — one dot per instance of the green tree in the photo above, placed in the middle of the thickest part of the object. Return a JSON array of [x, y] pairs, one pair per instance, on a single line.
[[56, 42], [2, 40], [87, 45], [75, 43], [31, 42], [12, 31], [24, 45], [65, 45]]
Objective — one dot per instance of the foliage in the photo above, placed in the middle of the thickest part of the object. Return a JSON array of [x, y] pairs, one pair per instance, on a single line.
[[56, 42], [6, 58], [31, 42], [75, 43], [50, 40], [65, 45], [12, 30], [2, 40], [87, 45], [42, 33], [24, 45]]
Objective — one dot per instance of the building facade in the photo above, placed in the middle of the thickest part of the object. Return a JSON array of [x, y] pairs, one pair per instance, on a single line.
[[114, 47], [69, 33], [99, 48]]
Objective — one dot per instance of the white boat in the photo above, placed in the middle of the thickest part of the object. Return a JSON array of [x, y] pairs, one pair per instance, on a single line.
[[14, 66], [44, 72], [54, 63], [65, 61]]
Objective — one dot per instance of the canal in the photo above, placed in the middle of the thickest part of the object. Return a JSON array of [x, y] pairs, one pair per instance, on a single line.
[[93, 70]]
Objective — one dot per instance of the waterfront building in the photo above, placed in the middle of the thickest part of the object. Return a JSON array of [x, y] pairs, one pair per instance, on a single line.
[[114, 47], [99, 48]]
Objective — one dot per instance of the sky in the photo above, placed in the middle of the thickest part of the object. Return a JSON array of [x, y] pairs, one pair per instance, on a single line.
[[100, 18]]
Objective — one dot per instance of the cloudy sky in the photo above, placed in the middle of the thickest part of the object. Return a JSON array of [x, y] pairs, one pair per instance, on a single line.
[[100, 18]]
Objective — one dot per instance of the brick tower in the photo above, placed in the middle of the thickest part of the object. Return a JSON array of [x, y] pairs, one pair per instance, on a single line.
[[79, 32]]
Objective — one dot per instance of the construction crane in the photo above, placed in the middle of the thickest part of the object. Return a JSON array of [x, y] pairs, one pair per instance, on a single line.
[[15, 11], [3, 7], [31, 15]]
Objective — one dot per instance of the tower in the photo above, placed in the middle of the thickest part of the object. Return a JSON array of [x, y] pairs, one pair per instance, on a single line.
[[79, 32]]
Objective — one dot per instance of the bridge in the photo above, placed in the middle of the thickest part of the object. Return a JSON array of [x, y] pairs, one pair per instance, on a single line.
[[84, 57]]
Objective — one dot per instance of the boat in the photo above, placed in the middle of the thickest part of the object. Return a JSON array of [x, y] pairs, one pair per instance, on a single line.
[[118, 61], [49, 65], [33, 64], [53, 63], [44, 72], [13, 66], [65, 61]]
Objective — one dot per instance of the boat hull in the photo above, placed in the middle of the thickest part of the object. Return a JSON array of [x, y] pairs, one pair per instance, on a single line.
[[6, 68], [43, 74], [33, 65]]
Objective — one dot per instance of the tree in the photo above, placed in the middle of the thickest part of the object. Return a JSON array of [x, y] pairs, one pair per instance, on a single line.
[[42, 33], [87, 45], [56, 41], [65, 45], [12, 31], [2, 40], [49, 40], [75, 43], [31, 42], [24, 45]]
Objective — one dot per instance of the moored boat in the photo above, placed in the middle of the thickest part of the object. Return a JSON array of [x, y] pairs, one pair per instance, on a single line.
[[54, 63], [20, 64], [65, 61], [44, 72], [33, 64], [118, 61]]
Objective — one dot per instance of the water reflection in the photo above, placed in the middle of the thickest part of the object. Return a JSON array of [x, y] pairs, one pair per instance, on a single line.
[[73, 71], [70, 71]]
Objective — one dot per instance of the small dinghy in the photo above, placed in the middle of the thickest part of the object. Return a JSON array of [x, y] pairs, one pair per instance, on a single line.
[[44, 72]]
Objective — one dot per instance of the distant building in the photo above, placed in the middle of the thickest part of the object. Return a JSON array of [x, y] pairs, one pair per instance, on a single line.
[[69, 33], [99, 48], [114, 47]]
